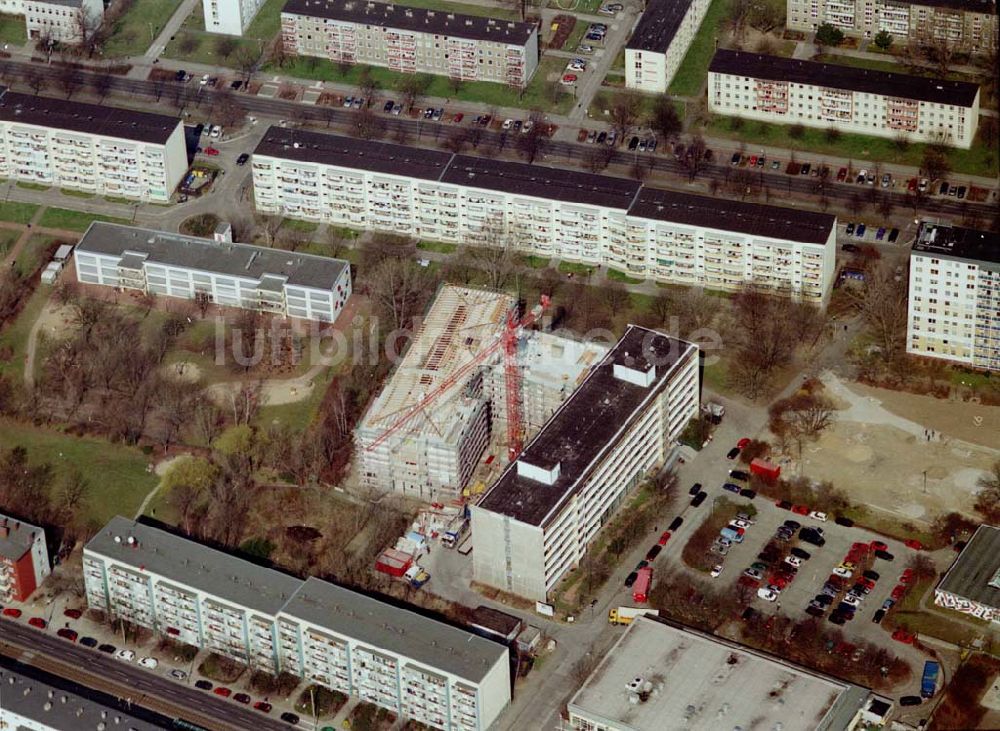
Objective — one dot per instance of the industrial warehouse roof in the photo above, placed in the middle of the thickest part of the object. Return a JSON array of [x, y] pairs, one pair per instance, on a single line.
[[518, 178], [191, 252], [184, 562], [851, 78], [384, 626], [585, 426], [89, 118], [658, 25], [704, 683], [57, 703], [419, 20], [956, 242], [975, 575], [775, 222], [16, 537]]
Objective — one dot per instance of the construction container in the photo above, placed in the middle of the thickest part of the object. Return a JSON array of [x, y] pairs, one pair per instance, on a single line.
[[393, 562], [767, 471]]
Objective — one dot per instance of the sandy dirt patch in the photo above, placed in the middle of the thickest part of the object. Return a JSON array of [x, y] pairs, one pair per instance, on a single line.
[[183, 371]]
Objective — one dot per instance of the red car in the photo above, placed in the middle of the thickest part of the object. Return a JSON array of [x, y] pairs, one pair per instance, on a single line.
[[906, 578], [878, 546], [743, 443], [37, 622], [72, 613], [914, 544], [901, 635], [800, 510], [211, 151], [867, 583], [262, 706], [458, 118], [67, 634], [664, 537], [11, 612], [897, 592], [841, 175], [224, 692]]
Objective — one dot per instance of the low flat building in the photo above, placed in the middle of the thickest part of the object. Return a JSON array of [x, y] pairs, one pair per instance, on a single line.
[[535, 522], [954, 296], [62, 21], [288, 284], [661, 675], [24, 559], [660, 41], [412, 40], [229, 17], [972, 584], [848, 98]]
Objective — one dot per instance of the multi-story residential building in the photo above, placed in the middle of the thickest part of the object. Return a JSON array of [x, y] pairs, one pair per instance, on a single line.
[[412, 40], [229, 17], [24, 559], [954, 297], [968, 25], [659, 42], [289, 284], [62, 21], [850, 99], [88, 147], [593, 219], [972, 584], [421, 668], [535, 522]]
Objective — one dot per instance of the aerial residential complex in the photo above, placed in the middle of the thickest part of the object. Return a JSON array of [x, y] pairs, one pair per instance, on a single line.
[[660, 670], [954, 296], [851, 99], [535, 522], [581, 217], [412, 40], [969, 25], [418, 667], [288, 284], [91, 148], [24, 559], [61, 20], [972, 584], [229, 17], [659, 42]]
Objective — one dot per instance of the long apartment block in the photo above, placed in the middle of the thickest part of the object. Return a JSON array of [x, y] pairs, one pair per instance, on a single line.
[[535, 522], [415, 666], [877, 103], [954, 296], [412, 40], [659, 42], [92, 148], [969, 25], [288, 284], [649, 233]]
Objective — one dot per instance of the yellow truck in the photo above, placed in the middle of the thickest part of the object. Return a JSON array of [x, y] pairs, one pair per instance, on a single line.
[[625, 615]]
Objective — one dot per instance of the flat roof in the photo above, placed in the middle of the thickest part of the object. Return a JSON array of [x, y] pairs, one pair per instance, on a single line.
[[518, 178], [16, 537], [26, 690], [942, 239], [350, 152], [495, 621], [139, 245], [852, 78], [588, 423], [418, 20], [706, 683], [658, 25], [188, 563], [988, 7], [754, 219], [975, 575], [95, 119], [384, 626]]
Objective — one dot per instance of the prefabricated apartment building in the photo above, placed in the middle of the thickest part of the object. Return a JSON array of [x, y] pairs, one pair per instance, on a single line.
[[415, 666], [598, 220], [660, 41]]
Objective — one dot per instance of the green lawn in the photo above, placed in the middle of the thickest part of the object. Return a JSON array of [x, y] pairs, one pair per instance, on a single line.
[[296, 225], [617, 276], [571, 267], [193, 43], [17, 212], [31, 186], [575, 37], [979, 160], [12, 29], [73, 220], [7, 238], [15, 335], [117, 475], [76, 193], [534, 262], [438, 247], [32, 254], [299, 415], [138, 27], [693, 71], [450, 7], [577, 6]]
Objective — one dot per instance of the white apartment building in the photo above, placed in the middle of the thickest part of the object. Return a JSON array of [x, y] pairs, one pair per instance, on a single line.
[[968, 25], [863, 101], [88, 147], [598, 220], [418, 667], [535, 522], [412, 40], [288, 284], [660, 41], [229, 17], [954, 297], [64, 21]]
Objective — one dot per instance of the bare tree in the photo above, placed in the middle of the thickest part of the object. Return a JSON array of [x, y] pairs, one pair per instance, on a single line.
[[101, 84], [87, 25], [248, 58], [35, 80], [493, 252], [398, 289], [70, 80], [532, 143], [664, 118], [694, 159], [412, 88], [227, 110], [625, 107], [882, 302], [615, 296]]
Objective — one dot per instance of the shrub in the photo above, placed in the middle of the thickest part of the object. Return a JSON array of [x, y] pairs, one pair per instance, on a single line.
[[829, 35]]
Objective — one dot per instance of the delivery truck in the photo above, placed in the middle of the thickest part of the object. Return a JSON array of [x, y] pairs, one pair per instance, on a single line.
[[928, 684], [640, 589], [625, 615]]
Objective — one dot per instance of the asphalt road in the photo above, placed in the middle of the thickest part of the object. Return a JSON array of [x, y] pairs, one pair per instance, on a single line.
[[96, 670], [427, 132]]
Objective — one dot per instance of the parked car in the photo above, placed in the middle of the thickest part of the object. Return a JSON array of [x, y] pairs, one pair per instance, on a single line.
[[837, 618], [223, 691], [289, 718], [236, 85], [906, 578], [739, 475], [211, 151], [893, 235], [767, 594], [242, 159], [748, 493], [88, 642], [698, 499], [784, 505], [735, 160], [901, 635], [716, 570], [72, 613], [878, 616], [653, 552], [910, 700], [884, 555], [675, 523], [823, 599], [107, 649], [38, 623], [262, 706], [630, 579], [664, 537], [242, 698], [817, 515], [871, 575], [733, 453], [178, 674], [886, 180], [694, 489], [792, 525], [898, 592], [67, 634], [203, 685], [150, 663], [842, 175], [914, 544], [815, 610], [844, 521], [800, 553], [731, 487], [860, 231], [125, 655], [12, 612]]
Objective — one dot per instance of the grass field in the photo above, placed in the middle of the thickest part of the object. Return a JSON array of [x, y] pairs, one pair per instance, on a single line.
[[570, 267], [7, 238], [193, 43], [138, 27], [294, 224], [12, 29], [438, 247], [617, 276], [575, 38], [17, 212], [532, 261], [32, 253], [31, 186], [576, 6], [693, 71], [298, 416], [117, 475], [73, 220], [978, 160]]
